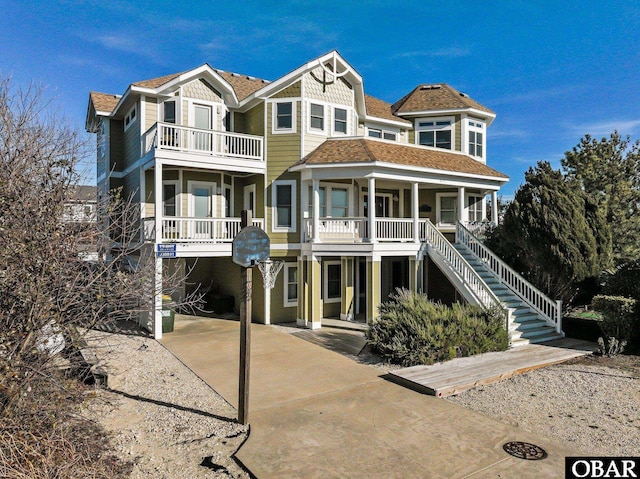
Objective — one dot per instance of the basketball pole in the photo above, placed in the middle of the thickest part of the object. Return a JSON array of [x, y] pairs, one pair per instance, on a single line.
[[245, 333]]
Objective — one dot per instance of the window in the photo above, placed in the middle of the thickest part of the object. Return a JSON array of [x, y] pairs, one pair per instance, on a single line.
[[446, 208], [290, 284], [332, 282], [316, 120], [169, 111], [476, 138], [130, 118], [333, 199], [284, 213], [169, 199], [384, 134], [436, 133], [474, 204], [340, 120], [227, 201], [284, 117]]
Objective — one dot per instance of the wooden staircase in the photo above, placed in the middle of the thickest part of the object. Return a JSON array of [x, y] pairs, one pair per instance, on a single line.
[[527, 327]]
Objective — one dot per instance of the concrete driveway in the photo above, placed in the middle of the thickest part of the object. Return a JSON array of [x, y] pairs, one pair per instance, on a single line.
[[317, 414]]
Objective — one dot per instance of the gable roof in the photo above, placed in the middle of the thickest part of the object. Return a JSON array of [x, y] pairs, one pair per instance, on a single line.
[[436, 97], [368, 150], [243, 85], [103, 102], [159, 81], [381, 109]]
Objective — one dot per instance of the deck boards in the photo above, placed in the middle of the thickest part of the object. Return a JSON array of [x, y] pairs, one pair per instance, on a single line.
[[453, 377]]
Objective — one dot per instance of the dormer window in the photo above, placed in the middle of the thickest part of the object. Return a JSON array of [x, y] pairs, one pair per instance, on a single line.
[[476, 138], [340, 120], [316, 119], [435, 132]]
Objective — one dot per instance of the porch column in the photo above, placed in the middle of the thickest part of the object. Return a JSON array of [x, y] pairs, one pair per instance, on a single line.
[[463, 213], [143, 204], [157, 290], [313, 286], [415, 211], [316, 211], [371, 202], [347, 271], [415, 275], [303, 294], [373, 288], [494, 207]]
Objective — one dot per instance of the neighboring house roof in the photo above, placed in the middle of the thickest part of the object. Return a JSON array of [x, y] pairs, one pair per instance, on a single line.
[[365, 150], [104, 102], [83, 193], [381, 109], [435, 97], [156, 82]]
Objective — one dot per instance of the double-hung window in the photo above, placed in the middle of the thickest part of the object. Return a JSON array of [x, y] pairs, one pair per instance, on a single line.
[[334, 204], [436, 132], [474, 205], [340, 121], [290, 284], [283, 200], [316, 117], [446, 208], [283, 117], [332, 281], [476, 138]]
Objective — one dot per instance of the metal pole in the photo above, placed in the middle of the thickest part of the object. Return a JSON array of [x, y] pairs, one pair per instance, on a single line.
[[245, 333]]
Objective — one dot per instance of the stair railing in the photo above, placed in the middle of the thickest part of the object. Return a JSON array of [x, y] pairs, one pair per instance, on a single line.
[[463, 271], [547, 308]]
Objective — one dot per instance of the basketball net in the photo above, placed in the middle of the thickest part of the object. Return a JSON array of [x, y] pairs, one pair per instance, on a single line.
[[270, 269]]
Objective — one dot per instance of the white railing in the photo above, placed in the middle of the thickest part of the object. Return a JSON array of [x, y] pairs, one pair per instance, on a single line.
[[196, 230], [394, 229], [167, 136], [338, 229], [549, 309], [461, 269]]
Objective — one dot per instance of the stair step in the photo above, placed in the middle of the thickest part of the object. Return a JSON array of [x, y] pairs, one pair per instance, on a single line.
[[544, 339], [532, 333], [528, 325]]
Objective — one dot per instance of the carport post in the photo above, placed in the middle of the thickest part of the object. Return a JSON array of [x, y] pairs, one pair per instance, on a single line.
[[245, 333]]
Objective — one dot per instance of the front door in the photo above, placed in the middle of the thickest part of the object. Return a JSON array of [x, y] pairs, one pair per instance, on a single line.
[[382, 204]]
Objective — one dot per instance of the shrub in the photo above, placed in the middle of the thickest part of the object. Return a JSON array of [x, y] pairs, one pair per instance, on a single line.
[[413, 330], [618, 317], [625, 281]]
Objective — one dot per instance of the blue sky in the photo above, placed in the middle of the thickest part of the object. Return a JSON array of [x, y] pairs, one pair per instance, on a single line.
[[551, 70]]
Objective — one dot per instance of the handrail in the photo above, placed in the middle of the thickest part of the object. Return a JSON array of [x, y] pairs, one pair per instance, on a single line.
[[196, 230], [549, 309], [469, 277]]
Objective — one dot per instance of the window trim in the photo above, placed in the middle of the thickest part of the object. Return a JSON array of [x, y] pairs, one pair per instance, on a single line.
[[176, 183], [328, 189], [274, 117], [439, 197], [382, 132], [483, 205], [274, 206], [310, 127], [325, 281], [451, 127], [335, 132], [175, 111], [476, 129], [286, 301]]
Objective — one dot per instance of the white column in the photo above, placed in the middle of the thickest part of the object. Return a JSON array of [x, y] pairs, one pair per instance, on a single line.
[[494, 207], [371, 202], [463, 213], [143, 204], [316, 211], [157, 290], [304, 207], [415, 211]]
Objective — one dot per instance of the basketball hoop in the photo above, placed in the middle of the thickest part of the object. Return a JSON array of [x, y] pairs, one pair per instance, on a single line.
[[270, 269]]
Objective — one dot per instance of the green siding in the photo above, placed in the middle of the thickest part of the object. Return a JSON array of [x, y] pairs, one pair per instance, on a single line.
[[280, 313], [292, 91]]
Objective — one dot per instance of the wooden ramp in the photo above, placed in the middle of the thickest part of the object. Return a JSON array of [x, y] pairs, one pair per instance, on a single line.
[[457, 375]]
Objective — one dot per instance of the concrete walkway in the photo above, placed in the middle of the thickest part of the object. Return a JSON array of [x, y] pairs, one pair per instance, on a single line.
[[316, 414]]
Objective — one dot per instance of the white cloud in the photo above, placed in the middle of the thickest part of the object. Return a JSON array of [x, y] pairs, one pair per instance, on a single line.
[[451, 52], [606, 127]]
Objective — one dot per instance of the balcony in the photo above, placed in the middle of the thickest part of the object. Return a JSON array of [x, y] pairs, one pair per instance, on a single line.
[[195, 230], [178, 142], [356, 230]]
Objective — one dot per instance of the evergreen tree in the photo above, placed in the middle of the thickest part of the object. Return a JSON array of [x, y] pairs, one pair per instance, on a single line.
[[609, 171], [553, 233]]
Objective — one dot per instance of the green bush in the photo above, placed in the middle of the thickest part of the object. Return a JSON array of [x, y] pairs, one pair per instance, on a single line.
[[413, 330], [618, 317], [625, 281]]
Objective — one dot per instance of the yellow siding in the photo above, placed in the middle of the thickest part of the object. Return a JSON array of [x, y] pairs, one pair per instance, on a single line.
[[255, 120], [292, 91], [150, 112], [280, 313]]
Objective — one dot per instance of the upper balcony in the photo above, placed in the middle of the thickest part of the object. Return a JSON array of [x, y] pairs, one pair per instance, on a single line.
[[184, 145]]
